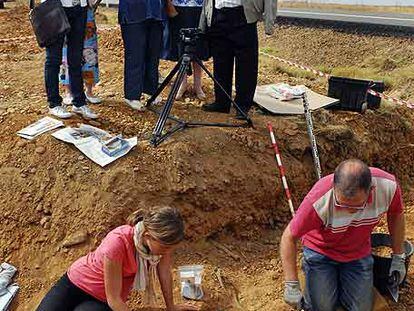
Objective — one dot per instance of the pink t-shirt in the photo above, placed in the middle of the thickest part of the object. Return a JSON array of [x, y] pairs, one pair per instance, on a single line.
[[87, 272], [336, 233]]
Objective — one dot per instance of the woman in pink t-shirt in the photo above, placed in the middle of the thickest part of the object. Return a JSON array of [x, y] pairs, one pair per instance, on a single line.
[[130, 256]]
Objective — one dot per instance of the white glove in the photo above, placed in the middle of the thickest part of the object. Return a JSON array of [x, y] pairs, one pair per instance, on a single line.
[[293, 294], [398, 264]]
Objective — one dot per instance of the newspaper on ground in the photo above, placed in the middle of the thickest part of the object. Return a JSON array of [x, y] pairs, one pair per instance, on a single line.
[[7, 298], [90, 141], [39, 127]]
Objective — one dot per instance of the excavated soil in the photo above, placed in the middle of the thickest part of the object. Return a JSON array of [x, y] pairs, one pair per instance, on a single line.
[[224, 181]]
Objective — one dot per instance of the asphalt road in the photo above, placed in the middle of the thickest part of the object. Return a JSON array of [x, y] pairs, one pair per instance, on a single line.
[[387, 19]]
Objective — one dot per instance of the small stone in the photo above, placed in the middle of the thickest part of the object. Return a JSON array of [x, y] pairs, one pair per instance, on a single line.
[[44, 220], [85, 168], [40, 150], [136, 169], [187, 100], [75, 239], [47, 225], [37, 266], [21, 143], [249, 219], [81, 158], [23, 175], [39, 207], [32, 170]]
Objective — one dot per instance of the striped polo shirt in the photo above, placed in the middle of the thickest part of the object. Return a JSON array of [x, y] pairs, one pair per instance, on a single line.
[[337, 233]]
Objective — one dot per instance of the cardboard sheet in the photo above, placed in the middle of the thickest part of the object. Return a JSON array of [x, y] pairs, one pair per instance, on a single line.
[[316, 101]]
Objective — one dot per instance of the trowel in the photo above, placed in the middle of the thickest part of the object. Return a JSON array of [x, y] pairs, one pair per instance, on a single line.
[[393, 283]]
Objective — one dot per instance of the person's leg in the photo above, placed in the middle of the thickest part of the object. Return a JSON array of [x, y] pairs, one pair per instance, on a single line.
[[52, 68], [63, 296], [134, 37], [356, 284], [247, 63], [77, 19], [92, 305], [321, 277], [152, 56], [197, 72], [223, 58]]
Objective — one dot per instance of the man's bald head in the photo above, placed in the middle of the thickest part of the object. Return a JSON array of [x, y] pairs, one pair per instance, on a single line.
[[351, 177]]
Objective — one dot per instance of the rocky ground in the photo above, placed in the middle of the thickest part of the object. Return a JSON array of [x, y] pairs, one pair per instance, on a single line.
[[57, 205]]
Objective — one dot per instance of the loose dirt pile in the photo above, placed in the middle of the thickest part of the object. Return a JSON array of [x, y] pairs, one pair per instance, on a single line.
[[57, 205]]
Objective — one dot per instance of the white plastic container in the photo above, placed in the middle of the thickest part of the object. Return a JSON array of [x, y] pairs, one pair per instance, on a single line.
[[191, 278]]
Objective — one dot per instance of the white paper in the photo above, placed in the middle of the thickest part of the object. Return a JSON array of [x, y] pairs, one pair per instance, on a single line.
[[39, 127], [7, 298], [88, 140]]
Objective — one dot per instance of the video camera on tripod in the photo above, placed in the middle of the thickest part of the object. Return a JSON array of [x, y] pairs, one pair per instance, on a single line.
[[190, 35]]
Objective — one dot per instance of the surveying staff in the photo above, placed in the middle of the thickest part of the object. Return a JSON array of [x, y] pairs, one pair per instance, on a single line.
[[130, 256], [335, 222], [231, 28]]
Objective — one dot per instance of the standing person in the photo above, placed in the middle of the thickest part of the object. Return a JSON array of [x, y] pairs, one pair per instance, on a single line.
[[189, 12], [232, 31], [76, 11], [334, 223], [130, 256], [90, 68], [142, 27]]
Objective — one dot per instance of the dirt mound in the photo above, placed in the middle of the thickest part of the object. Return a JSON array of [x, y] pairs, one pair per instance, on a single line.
[[57, 205]]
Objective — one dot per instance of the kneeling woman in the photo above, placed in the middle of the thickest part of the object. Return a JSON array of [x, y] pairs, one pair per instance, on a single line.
[[130, 256]]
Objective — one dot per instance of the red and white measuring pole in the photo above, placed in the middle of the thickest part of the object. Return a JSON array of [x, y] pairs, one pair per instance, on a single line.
[[281, 168]]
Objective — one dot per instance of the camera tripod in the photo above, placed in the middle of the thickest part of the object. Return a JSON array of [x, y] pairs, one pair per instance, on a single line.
[[182, 68]]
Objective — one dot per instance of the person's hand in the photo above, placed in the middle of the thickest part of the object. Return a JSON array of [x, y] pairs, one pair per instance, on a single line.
[[184, 307], [398, 264], [292, 295]]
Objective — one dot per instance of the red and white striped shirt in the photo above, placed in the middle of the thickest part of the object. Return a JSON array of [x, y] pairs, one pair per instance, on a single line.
[[337, 233]]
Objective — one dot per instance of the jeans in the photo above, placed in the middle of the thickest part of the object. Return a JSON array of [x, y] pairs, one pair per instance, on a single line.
[[330, 284], [65, 296], [142, 43], [77, 19]]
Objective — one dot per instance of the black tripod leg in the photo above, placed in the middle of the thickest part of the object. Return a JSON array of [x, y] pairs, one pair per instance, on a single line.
[[165, 82], [157, 133], [246, 117]]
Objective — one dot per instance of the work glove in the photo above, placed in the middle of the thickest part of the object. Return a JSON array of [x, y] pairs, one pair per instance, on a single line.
[[398, 265], [7, 272], [292, 295]]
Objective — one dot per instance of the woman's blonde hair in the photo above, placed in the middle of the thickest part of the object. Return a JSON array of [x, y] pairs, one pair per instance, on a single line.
[[163, 223]]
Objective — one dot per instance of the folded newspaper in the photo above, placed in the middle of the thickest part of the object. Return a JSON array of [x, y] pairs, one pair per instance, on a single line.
[[39, 127], [284, 91], [91, 142]]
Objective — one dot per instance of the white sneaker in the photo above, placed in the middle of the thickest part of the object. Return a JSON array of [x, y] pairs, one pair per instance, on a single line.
[[93, 99], [85, 111], [135, 104], [67, 100], [60, 112]]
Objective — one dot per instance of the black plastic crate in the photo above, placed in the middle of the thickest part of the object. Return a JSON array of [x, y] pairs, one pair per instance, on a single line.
[[352, 93]]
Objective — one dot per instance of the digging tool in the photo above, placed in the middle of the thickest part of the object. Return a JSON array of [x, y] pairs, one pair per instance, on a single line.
[[392, 286], [309, 123]]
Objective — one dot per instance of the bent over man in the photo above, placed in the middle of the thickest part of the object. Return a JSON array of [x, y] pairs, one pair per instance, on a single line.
[[334, 223]]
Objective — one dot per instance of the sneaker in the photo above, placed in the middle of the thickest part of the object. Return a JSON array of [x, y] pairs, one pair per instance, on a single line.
[[93, 99], [60, 112], [216, 107], [85, 111], [135, 104]]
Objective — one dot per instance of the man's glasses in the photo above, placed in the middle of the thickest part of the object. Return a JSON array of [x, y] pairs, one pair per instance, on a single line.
[[360, 207]]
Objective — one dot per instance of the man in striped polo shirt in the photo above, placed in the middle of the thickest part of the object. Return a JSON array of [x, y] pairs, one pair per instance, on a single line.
[[334, 223]]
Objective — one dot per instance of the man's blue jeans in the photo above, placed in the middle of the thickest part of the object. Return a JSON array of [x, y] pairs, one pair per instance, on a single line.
[[142, 43], [77, 20], [330, 284]]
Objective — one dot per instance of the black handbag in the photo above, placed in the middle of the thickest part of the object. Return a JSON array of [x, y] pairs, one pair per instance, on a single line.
[[49, 21]]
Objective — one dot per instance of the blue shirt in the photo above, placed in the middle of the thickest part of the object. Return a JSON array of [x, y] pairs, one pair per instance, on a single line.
[[136, 11], [188, 3]]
